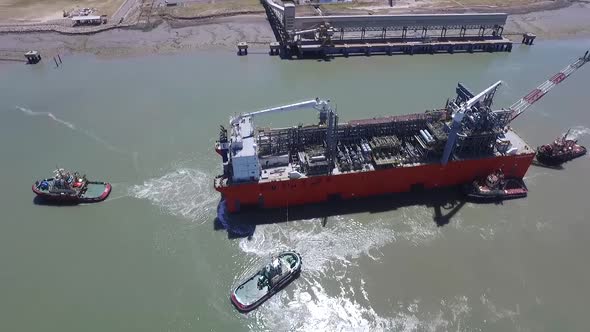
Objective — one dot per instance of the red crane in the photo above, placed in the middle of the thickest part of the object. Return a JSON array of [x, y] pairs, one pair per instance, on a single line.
[[525, 102]]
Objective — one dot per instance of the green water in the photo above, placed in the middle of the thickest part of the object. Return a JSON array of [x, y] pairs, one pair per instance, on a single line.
[[150, 259]]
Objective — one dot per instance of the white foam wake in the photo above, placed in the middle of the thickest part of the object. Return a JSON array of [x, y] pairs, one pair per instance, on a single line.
[[48, 114], [331, 293], [344, 239], [330, 256], [72, 127], [312, 309], [184, 192], [577, 132]]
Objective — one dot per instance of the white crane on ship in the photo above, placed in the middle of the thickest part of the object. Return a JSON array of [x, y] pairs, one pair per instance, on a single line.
[[320, 105], [244, 156]]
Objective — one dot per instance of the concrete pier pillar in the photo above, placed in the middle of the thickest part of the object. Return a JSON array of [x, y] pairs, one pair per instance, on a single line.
[[34, 57], [275, 48], [528, 38], [242, 48]]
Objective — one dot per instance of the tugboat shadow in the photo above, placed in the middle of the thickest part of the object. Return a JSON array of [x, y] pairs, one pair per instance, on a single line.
[[44, 202], [555, 167], [445, 203]]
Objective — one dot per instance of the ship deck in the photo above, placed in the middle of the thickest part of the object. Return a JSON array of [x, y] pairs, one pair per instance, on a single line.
[[281, 173], [517, 141]]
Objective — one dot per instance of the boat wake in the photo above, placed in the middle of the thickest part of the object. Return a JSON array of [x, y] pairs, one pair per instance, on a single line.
[[330, 261], [345, 238], [72, 127], [577, 132], [332, 293], [184, 192], [48, 114]]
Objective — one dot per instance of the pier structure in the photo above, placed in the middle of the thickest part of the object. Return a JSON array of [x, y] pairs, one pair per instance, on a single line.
[[275, 48], [33, 57], [385, 34], [528, 38], [242, 48]]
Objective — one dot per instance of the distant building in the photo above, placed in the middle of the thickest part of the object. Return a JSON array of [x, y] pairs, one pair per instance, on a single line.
[[89, 20], [333, 1], [321, 1]]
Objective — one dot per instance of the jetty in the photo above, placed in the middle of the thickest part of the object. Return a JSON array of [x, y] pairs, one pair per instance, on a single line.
[[344, 35]]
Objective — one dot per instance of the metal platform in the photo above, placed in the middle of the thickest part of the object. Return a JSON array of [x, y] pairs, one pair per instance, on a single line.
[[385, 34], [398, 22], [409, 47]]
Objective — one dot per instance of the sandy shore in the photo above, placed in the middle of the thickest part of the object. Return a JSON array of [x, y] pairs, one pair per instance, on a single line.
[[225, 32], [570, 22]]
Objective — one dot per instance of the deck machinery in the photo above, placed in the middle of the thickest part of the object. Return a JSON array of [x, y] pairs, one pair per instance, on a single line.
[[468, 138]]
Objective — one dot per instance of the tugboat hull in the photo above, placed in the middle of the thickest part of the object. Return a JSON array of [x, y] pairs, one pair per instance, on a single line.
[[514, 188], [257, 289], [554, 160], [96, 191]]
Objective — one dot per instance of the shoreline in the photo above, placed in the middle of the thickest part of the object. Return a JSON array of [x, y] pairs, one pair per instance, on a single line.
[[224, 31]]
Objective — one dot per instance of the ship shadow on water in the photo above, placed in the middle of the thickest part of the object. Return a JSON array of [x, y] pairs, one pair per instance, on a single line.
[[444, 202]]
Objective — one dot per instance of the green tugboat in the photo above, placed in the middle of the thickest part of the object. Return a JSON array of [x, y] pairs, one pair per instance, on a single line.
[[267, 281]]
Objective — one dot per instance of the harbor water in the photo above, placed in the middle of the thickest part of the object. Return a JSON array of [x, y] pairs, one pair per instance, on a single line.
[[153, 258]]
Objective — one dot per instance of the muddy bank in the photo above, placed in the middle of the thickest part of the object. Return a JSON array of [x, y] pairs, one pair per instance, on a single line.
[[225, 32], [569, 22], [166, 37]]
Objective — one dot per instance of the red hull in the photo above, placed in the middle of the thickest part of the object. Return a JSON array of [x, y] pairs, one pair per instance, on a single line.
[[365, 184], [72, 199]]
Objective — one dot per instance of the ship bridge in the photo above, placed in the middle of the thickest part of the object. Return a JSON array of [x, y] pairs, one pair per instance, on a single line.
[[243, 151]]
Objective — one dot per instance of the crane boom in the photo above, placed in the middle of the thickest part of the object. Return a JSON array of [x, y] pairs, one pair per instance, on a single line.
[[525, 102], [479, 96], [318, 104]]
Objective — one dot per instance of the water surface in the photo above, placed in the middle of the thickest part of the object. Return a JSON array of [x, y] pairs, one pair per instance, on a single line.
[[149, 258]]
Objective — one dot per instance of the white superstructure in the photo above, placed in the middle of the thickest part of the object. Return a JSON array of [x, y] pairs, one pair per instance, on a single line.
[[243, 151]]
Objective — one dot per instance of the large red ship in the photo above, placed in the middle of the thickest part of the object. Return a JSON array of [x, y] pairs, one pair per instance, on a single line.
[[465, 140]]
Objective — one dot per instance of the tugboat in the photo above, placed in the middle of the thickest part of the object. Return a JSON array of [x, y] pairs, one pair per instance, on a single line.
[[267, 281], [70, 187], [560, 151], [496, 186]]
